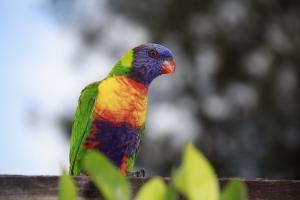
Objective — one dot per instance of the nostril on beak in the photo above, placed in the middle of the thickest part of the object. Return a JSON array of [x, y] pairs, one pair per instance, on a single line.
[[168, 67]]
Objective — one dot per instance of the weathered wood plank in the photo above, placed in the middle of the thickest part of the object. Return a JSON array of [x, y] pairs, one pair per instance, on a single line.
[[14, 187], [263, 189]]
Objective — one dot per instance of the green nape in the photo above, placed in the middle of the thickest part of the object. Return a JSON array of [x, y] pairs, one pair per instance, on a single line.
[[123, 66]]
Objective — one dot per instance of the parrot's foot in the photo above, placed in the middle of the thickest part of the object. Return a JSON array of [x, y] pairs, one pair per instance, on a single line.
[[139, 173]]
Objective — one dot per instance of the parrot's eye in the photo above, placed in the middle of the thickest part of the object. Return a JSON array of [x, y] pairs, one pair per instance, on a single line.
[[152, 53]]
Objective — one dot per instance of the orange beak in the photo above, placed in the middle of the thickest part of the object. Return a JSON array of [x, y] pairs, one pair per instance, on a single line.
[[168, 67]]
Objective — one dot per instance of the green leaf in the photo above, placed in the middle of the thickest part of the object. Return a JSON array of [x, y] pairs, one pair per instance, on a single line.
[[171, 193], [112, 184], [153, 189], [234, 190], [67, 189], [196, 178]]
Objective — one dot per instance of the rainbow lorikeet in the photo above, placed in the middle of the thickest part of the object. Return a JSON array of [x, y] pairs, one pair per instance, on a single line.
[[111, 113]]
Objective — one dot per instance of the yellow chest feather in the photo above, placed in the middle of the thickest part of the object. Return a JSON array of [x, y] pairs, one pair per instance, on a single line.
[[121, 99]]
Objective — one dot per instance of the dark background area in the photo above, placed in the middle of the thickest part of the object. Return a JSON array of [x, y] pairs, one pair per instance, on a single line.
[[238, 75]]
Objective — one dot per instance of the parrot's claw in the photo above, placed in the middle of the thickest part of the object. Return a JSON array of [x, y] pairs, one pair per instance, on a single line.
[[139, 173]]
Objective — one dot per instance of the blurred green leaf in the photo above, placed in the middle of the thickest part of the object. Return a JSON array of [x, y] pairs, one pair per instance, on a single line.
[[112, 184], [67, 189], [171, 193], [235, 190], [153, 189], [196, 178]]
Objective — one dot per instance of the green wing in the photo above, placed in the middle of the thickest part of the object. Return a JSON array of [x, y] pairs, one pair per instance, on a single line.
[[133, 156], [81, 126]]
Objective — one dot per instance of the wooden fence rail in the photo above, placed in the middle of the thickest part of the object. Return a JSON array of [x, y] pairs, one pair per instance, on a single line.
[[16, 187]]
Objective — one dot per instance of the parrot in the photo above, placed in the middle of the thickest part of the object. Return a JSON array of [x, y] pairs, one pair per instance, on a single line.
[[111, 113]]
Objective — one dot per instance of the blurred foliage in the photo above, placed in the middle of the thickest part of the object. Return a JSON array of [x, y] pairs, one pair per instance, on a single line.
[[112, 184], [239, 73], [153, 189], [67, 188], [234, 190], [194, 180]]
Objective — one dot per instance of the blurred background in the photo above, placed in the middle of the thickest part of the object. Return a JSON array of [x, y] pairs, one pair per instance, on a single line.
[[235, 94]]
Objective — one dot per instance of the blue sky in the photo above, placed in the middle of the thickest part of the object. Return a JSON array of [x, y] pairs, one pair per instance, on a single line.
[[25, 40]]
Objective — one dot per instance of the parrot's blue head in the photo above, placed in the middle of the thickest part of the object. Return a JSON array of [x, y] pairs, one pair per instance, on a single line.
[[149, 61]]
